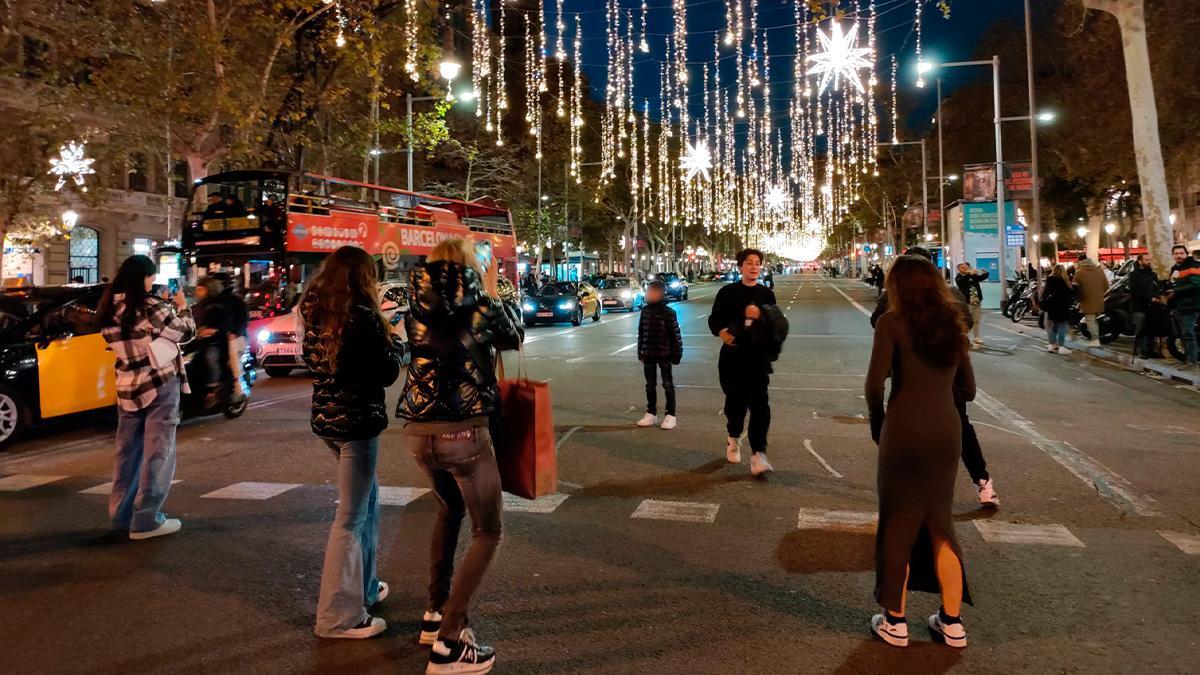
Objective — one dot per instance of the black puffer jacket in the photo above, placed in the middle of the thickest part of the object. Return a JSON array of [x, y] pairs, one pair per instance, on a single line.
[[658, 334], [449, 381], [348, 403]]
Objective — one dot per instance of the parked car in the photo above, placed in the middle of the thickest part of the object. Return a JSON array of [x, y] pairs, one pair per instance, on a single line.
[[279, 347], [561, 301], [621, 293]]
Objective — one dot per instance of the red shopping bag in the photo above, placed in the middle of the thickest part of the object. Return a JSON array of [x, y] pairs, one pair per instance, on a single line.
[[525, 449]]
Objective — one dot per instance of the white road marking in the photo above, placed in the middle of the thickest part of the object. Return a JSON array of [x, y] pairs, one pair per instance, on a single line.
[[50, 452], [563, 439], [1111, 486], [399, 496], [808, 445], [624, 349], [820, 519], [24, 481], [713, 386], [575, 359], [687, 512], [850, 300], [997, 532], [106, 488], [263, 404], [1188, 543], [250, 490], [545, 504]]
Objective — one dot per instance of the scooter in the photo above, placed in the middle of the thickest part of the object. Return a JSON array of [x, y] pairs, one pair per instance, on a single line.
[[196, 404]]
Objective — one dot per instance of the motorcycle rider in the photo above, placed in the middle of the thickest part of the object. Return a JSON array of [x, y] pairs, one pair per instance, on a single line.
[[212, 323], [239, 320], [1143, 288]]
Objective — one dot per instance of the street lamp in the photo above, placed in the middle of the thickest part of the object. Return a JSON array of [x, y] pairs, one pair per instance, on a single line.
[[1054, 238], [69, 218], [1081, 231]]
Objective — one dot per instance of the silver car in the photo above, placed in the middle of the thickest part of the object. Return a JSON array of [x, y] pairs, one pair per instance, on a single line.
[[621, 293]]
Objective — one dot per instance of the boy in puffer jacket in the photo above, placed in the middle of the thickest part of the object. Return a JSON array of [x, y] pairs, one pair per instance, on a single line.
[[660, 346]]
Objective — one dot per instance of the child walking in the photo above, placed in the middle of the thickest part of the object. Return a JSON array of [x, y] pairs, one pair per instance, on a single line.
[[660, 346]]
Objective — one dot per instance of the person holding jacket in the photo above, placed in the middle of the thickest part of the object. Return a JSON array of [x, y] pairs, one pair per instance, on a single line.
[[1184, 302], [921, 344], [660, 346], [213, 325], [456, 324], [744, 315], [967, 280], [144, 333], [349, 348], [1143, 290], [1057, 298], [1090, 285]]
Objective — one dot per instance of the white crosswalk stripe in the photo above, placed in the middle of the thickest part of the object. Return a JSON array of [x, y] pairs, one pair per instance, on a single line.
[[106, 488], [24, 481], [998, 532], [400, 496], [546, 504], [1188, 543], [820, 519], [688, 512], [251, 490]]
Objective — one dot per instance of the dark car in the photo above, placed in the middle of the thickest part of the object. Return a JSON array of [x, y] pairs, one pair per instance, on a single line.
[[677, 286], [561, 301]]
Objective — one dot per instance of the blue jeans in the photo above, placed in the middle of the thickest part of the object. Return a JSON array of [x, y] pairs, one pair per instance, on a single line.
[[145, 462], [1056, 332], [348, 581], [1187, 331]]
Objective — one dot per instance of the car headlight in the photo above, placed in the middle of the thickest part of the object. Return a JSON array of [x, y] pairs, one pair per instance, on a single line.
[[264, 335], [568, 304], [626, 295], [528, 307], [674, 284]]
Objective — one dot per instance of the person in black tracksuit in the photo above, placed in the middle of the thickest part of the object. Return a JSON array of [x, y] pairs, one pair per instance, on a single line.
[[660, 346], [737, 317]]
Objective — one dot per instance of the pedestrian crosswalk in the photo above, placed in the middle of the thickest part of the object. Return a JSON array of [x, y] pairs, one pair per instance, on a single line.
[[990, 530]]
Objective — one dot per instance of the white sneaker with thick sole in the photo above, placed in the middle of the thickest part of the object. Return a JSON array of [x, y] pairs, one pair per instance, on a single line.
[[952, 634], [987, 494], [431, 623], [759, 464], [895, 634], [369, 628], [1064, 351], [383, 592], [733, 451], [1053, 349], [648, 420], [669, 422], [464, 655], [169, 526]]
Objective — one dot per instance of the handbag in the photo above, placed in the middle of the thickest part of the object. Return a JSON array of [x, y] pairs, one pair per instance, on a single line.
[[163, 353], [524, 438]]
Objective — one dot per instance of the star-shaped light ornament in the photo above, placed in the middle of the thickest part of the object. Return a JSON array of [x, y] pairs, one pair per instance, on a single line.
[[696, 160], [71, 163], [776, 200], [840, 58]]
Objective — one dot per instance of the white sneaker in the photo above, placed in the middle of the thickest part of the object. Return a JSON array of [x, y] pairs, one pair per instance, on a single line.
[[953, 634], [1093, 343], [383, 592], [978, 342], [895, 634], [169, 526], [1064, 351], [669, 422], [648, 420], [1053, 349], [733, 451], [987, 494], [759, 464]]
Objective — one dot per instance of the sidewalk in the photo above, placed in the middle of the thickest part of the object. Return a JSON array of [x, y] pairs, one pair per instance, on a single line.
[[1167, 368]]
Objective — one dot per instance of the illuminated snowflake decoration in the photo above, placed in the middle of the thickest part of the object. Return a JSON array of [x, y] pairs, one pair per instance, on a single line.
[[696, 160], [777, 200], [840, 58], [71, 163]]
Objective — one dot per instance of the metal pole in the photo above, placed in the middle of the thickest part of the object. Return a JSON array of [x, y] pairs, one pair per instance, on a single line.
[[1036, 225], [942, 182], [924, 196], [408, 106], [1000, 182]]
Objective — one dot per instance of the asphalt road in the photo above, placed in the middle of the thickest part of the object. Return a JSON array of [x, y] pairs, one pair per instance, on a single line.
[[657, 556]]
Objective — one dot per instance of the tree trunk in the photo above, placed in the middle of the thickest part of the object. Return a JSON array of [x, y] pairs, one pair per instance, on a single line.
[[1131, 16], [197, 166], [1092, 241]]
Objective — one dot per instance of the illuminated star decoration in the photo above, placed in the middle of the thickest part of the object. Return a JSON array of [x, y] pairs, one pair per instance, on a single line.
[[696, 160], [71, 163], [776, 200], [839, 58]]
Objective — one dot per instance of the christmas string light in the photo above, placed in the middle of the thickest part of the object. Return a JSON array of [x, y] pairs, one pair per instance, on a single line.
[[920, 62], [410, 39], [895, 126], [71, 163], [560, 55], [644, 44]]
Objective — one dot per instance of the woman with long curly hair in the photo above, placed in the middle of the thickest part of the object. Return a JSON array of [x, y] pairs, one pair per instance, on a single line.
[[921, 343], [349, 348]]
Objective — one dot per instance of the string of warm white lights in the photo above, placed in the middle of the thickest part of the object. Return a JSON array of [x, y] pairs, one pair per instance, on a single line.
[[410, 39]]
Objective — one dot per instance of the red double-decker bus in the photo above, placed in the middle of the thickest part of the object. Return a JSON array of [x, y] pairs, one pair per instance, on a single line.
[[272, 229]]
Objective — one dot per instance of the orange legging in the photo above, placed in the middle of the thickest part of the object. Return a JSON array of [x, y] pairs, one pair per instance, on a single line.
[[949, 574]]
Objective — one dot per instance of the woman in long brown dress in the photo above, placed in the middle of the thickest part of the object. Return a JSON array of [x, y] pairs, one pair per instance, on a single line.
[[921, 344]]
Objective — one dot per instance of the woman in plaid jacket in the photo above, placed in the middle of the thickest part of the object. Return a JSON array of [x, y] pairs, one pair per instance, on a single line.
[[144, 332]]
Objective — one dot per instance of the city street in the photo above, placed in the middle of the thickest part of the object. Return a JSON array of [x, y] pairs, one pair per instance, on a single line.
[[656, 556]]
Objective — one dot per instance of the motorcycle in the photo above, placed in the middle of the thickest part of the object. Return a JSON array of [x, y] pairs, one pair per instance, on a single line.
[[1022, 301], [197, 403]]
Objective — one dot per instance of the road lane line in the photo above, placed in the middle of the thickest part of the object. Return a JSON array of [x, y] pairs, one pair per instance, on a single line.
[[544, 504], [106, 488], [282, 399], [1188, 543], [820, 519], [997, 532], [563, 439], [250, 490], [686, 512], [51, 452], [712, 386], [623, 349], [808, 445], [1110, 486], [399, 496]]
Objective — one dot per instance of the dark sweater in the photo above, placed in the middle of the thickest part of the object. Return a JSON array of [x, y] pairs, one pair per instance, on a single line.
[[729, 313], [659, 339]]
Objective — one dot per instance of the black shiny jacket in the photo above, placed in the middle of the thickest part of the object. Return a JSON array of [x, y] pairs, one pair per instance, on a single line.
[[454, 330], [348, 403]]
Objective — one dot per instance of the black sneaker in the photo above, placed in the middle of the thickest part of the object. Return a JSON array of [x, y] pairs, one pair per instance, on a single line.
[[463, 655]]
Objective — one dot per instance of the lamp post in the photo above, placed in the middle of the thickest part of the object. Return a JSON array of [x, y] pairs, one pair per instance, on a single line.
[[448, 69], [1109, 229], [1054, 238], [924, 181]]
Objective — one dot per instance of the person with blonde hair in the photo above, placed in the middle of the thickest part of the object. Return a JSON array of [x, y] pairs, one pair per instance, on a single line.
[[457, 322], [1057, 298], [353, 356]]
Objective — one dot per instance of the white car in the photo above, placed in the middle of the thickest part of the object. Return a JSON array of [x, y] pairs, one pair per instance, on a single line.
[[279, 340]]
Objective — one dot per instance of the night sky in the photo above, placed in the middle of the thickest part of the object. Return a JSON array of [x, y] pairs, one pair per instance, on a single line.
[[952, 39]]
